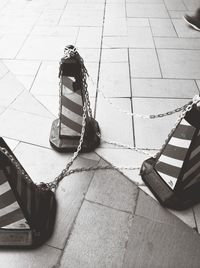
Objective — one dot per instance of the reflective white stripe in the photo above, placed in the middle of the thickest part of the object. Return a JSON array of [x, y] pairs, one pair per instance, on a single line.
[[21, 224], [14, 206], [171, 181], [72, 116], [184, 122], [171, 161], [5, 187], [66, 131], [180, 142]]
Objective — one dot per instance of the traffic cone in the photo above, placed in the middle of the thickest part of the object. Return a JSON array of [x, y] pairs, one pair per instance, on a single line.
[[174, 176], [27, 211], [66, 131]]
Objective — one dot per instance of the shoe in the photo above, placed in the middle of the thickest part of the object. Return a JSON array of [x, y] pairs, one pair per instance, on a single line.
[[193, 21]]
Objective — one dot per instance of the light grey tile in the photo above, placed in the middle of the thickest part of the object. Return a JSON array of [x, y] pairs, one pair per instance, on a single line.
[[10, 44], [146, 10], [186, 216], [112, 189], [98, 238], [44, 256], [152, 133], [174, 14], [26, 127], [83, 14], [3, 69], [191, 5], [164, 88], [49, 17], [51, 103], [115, 27], [179, 63], [137, 22], [162, 27], [45, 47], [55, 31], [47, 81], [113, 122], [115, 10], [124, 158], [161, 245], [22, 67], [11, 88], [177, 43], [114, 55], [93, 40], [175, 5], [140, 37], [144, 63], [114, 79], [89, 54], [183, 29], [26, 102], [150, 209], [115, 42]]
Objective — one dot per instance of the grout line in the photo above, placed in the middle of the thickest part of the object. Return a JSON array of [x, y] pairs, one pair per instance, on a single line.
[[98, 74], [112, 208], [131, 99], [39, 67], [72, 226], [155, 49]]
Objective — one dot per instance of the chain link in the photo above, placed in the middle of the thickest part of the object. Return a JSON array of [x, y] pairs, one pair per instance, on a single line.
[[144, 116], [195, 101], [70, 51]]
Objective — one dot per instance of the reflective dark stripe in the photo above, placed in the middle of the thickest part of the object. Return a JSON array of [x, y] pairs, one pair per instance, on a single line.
[[2, 177], [175, 152], [71, 124], [192, 162], [192, 171], [188, 178], [72, 106], [184, 132], [168, 169], [7, 199], [11, 217]]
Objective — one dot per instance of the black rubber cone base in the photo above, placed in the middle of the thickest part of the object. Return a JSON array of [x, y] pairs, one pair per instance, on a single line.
[[69, 144], [177, 199]]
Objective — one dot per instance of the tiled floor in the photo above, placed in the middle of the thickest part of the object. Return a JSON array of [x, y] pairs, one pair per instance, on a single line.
[[145, 59]]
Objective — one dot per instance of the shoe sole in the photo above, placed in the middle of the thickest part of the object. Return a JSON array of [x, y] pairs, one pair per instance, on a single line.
[[192, 25]]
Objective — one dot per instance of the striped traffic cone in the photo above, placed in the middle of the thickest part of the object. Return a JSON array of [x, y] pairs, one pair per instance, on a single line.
[[67, 130], [27, 211], [174, 176]]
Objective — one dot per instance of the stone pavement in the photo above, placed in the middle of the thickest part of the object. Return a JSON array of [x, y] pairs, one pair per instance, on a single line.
[[144, 58]]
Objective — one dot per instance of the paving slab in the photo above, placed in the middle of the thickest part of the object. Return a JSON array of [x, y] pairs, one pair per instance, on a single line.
[[177, 43], [157, 129], [164, 88], [114, 79], [150, 209], [112, 189], [112, 126], [144, 63], [153, 244], [162, 27], [98, 239], [147, 10], [179, 63]]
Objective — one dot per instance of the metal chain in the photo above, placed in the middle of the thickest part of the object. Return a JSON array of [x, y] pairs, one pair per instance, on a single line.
[[125, 146], [195, 101], [144, 116]]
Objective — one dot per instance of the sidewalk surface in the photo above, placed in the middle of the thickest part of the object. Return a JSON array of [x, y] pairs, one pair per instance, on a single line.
[[146, 60]]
